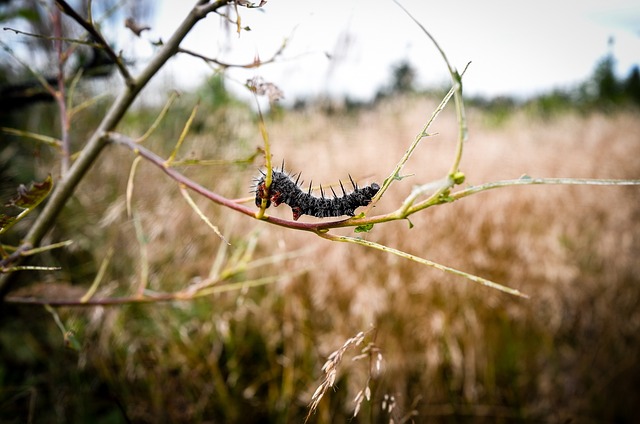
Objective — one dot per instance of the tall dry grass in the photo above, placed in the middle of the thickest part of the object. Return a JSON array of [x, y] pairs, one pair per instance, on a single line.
[[568, 352], [452, 350]]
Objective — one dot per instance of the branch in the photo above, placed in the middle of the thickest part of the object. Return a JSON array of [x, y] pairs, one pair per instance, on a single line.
[[60, 94], [255, 64], [427, 262], [149, 298], [536, 181], [315, 227], [93, 31], [395, 174], [50, 38], [456, 78]]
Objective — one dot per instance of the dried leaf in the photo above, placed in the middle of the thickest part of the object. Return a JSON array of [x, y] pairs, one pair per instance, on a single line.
[[260, 87], [27, 199]]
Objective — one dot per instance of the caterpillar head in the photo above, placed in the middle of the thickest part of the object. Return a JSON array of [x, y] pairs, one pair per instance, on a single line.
[[262, 193]]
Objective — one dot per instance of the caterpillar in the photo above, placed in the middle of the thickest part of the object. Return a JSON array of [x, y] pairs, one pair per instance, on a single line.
[[284, 190]]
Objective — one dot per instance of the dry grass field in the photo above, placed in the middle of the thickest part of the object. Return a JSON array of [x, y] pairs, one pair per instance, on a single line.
[[451, 350]]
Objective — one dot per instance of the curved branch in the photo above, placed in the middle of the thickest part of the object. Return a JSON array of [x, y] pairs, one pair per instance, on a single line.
[[255, 64], [93, 31], [216, 198]]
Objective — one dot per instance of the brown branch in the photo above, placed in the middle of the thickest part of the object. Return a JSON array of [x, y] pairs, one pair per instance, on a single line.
[[93, 31], [317, 227], [15, 256], [255, 64], [60, 94], [107, 301], [50, 38]]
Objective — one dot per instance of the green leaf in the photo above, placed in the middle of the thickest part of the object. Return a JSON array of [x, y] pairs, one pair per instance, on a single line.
[[402, 177], [363, 228], [398, 178], [27, 199]]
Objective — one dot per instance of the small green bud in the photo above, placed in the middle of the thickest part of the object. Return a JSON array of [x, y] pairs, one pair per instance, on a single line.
[[458, 177]]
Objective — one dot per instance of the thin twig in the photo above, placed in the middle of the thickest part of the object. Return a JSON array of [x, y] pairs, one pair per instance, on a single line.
[[144, 255], [427, 262], [149, 298], [257, 62], [50, 38], [60, 94], [43, 82], [395, 174], [51, 141], [456, 79], [174, 95], [201, 214], [183, 135], [98, 278], [536, 181], [129, 189], [93, 31]]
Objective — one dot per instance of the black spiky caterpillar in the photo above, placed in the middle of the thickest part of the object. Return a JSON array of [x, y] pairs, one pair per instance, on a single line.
[[284, 190]]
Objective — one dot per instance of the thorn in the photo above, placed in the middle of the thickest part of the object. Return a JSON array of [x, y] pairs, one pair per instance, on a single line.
[[310, 182], [282, 166], [321, 191], [298, 177], [344, 193], [334, 193], [355, 186]]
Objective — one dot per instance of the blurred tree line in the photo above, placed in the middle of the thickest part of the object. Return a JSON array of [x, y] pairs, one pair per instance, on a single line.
[[604, 90]]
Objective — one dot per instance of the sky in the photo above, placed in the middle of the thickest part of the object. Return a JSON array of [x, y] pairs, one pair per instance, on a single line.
[[349, 47]]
